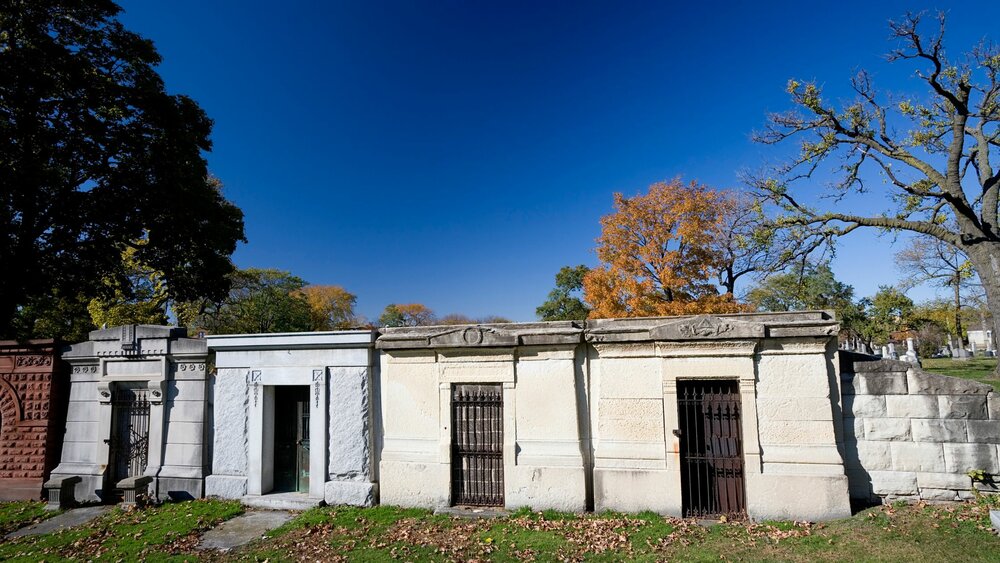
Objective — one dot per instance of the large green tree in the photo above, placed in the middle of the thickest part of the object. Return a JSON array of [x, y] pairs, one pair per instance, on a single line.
[[259, 301], [932, 155], [94, 156], [565, 302], [805, 287]]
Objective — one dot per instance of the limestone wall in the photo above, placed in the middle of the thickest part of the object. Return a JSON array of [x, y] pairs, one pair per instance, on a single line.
[[790, 413], [540, 370], [913, 434]]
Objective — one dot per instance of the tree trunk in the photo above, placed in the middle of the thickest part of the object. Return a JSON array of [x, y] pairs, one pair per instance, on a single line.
[[958, 314], [986, 258]]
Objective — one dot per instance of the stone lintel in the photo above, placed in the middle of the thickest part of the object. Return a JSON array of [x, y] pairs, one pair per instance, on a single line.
[[713, 327], [481, 336], [292, 340]]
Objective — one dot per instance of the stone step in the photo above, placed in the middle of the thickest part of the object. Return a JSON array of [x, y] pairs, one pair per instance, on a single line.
[[282, 501], [243, 529]]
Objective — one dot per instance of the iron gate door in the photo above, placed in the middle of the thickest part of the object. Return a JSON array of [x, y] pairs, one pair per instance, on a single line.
[[129, 443], [477, 445], [712, 479]]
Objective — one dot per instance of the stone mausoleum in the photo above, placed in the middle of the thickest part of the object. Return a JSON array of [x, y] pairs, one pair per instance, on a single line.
[[292, 418], [136, 416], [696, 416]]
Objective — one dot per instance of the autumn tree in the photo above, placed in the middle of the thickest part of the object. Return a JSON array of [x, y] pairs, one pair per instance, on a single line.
[[407, 314], [331, 307], [564, 303], [95, 155], [932, 155], [658, 254], [259, 301]]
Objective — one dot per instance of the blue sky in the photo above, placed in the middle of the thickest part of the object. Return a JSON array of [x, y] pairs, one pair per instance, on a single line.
[[457, 154]]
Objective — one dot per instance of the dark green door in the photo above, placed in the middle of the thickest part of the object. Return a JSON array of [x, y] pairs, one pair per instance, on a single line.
[[291, 438]]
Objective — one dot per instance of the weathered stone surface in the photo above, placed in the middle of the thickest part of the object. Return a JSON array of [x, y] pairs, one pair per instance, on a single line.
[[229, 453], [986, 431], [961, 458], [60, 522], [225, 486], [878, 366], [931, 430], [873, 456], [887, 429], [894, 482], [938, 494], [880, 383], [349, 423], [854, 428], [924, 383], [866, 406], [243, 529], [963, 406], [954, 481], [706, 328], [354, 493], [911, 406], [909, 456], [810, 497]]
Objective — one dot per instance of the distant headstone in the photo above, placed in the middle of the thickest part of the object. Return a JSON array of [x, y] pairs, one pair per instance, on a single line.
[[885, 352], [892, 351], [973, 344], [911, 353]]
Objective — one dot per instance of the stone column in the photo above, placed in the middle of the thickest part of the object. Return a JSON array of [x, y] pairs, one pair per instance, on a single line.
[[349, 393]]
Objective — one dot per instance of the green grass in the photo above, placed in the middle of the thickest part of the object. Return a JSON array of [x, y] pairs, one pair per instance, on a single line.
[[14, 515], [898, 532], [163, 533], [976, 369]]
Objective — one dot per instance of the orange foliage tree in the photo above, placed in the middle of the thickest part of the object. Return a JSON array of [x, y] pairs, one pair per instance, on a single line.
[[660, 254], [331, 307]]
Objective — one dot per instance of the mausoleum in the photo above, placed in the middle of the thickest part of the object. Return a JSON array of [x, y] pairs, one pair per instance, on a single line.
[[293, 419], [491, 415], [136, 415]]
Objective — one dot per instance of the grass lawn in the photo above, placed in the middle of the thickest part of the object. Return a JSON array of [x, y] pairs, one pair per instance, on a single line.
[[14, 515], [917, 532], [976, 369], [900, 532], [166, 533]]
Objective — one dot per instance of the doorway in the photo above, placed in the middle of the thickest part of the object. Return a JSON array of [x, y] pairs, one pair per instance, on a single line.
[[128, 446], [712, 477], [291, 438], [477, 445]]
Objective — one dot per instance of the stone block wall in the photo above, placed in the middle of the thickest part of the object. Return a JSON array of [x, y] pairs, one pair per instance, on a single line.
[[912, 434], [32, 416]]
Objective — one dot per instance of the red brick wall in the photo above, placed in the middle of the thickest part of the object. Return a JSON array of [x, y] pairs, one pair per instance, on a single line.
[[33, 396]]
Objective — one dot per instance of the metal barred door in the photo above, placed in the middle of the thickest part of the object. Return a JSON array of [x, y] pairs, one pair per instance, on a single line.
[[129, 443], [477, 445], [712, 478]]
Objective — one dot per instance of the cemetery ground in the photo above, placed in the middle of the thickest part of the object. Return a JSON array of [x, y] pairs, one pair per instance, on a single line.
[[171, 532]]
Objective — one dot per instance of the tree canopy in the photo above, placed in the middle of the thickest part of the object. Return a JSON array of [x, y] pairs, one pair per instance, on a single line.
[[259, 301], [406, 314], [658, 254], [809, 287], [564, 303], [95, 155], [331, 307], [931, 155]]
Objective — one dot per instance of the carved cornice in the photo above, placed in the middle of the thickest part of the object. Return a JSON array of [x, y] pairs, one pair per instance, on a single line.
[[481, 336]]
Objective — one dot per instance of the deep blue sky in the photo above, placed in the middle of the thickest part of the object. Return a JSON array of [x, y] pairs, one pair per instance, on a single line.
[[457, 154]]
